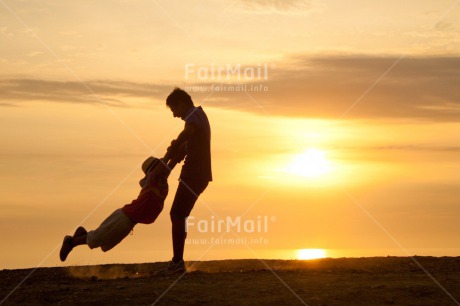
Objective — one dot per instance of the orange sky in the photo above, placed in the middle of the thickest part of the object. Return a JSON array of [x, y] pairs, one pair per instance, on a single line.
[[369, 88]]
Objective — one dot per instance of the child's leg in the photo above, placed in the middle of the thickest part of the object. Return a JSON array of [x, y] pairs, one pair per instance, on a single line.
[[79, 240], [80, 231]]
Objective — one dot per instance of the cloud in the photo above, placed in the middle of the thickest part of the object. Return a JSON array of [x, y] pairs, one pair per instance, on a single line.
[[326, 87], [34, 53], [443, 26], [417, 88], [113, 93], [277, 6], [6, 31]]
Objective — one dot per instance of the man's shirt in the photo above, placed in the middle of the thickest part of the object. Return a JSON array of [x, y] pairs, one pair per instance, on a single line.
[[198, 147]]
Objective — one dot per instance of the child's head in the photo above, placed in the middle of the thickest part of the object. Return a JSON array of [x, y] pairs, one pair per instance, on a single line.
[[149, 164]]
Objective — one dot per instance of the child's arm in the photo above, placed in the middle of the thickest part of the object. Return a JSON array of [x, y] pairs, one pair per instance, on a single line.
[[169, 161], [174, 161]]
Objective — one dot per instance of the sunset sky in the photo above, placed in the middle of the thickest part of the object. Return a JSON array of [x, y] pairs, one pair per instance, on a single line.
[[340, 132]]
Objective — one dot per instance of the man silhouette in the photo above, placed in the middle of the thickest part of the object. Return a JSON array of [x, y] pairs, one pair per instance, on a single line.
[[193, 144]]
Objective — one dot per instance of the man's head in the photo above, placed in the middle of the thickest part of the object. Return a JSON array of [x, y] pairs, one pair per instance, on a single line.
[[179, 102]]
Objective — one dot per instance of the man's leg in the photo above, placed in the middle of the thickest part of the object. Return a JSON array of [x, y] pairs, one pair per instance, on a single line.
[[179, 235], [186, 195]]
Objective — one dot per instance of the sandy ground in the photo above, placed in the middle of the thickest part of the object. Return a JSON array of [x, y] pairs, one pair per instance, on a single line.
[[345, 281]]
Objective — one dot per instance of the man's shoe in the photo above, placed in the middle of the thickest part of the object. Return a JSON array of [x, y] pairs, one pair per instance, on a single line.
[[172, 268], [66, 247]]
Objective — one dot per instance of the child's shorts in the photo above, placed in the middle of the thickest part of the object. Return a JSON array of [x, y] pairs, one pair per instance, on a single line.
[[111, 232]]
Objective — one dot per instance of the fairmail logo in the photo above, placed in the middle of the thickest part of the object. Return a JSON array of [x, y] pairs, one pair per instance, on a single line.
[[227, 72], [229, 224]]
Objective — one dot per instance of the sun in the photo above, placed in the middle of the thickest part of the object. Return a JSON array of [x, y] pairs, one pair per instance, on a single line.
[[305, 254], [311, 164]]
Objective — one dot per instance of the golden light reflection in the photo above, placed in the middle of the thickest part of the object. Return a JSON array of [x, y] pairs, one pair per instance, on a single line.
[[305, 254], [311, 164]]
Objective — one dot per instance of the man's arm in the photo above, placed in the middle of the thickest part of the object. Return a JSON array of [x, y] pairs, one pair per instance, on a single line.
[[174, 155], [173, 162], [185, 135]]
